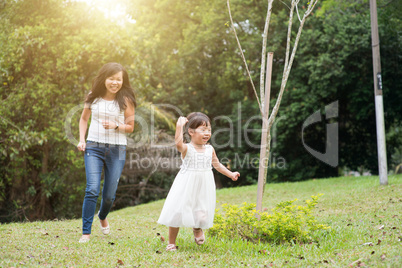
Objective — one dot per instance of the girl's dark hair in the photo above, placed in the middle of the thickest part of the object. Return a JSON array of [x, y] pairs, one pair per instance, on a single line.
[[195, 120], [126, 93]]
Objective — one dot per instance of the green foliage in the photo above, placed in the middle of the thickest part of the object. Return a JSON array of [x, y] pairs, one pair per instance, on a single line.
[[287, 223], [47, 61], [184, 53]]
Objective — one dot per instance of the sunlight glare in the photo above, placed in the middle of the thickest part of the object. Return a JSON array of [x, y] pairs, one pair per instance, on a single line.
[[113, 10]]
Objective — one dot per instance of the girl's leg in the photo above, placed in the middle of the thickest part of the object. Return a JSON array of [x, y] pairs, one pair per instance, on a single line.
[[114, 163], [173, 231], [93, 169]]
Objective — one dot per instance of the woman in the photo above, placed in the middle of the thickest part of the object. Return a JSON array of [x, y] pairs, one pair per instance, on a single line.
[[111, 102]]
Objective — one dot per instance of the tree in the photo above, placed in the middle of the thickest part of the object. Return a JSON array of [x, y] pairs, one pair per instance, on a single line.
[[265, 88], [334, 63], [50, 51]]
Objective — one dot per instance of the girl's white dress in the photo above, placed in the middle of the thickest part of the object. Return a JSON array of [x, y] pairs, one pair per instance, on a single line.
[[192, 197]]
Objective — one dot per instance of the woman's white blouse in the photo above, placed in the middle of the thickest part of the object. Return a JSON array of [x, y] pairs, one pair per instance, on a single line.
[[102, 110]]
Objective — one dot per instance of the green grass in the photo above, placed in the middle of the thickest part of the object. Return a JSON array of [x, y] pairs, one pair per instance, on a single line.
[[358, 210]]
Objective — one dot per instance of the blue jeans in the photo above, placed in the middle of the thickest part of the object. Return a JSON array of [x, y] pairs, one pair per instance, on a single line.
[[99, 156]]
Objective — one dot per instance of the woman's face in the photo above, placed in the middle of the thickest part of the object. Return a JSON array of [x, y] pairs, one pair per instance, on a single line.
[[114, 83]]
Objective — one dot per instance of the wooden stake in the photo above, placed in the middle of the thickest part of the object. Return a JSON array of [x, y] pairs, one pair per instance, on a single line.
[[264, 135]]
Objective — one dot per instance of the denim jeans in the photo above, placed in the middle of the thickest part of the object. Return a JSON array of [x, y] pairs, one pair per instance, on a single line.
[[98, 157]]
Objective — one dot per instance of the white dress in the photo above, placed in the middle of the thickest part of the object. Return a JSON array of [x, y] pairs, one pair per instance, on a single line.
[[192, 197]]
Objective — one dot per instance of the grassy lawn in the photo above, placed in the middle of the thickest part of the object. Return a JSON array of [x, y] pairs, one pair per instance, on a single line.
[[365, 220]]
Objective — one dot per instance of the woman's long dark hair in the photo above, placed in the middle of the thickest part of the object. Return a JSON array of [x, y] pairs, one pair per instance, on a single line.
[[126, 93]]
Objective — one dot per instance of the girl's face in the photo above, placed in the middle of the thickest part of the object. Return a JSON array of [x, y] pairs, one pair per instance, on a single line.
[[200, 135], [114, 83]]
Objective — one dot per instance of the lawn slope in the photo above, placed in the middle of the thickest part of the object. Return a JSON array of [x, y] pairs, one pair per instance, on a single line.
[[365, 220]]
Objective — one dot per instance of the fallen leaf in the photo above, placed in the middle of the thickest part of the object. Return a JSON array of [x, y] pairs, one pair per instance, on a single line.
[[263, 251], [372, 252], [158, 234], [381, 227], [162, 238], [353, 263], [111, 243], [379, 242], [120, 262], [158, 252]]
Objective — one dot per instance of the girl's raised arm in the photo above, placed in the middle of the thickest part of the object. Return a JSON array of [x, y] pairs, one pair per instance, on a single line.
[[181, 147], [222, 169]]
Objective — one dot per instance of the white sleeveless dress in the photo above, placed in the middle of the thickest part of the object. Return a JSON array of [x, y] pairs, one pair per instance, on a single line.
[[192, 197]]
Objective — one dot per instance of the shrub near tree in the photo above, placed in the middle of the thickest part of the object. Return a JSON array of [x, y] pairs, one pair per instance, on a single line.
[[287, 222]]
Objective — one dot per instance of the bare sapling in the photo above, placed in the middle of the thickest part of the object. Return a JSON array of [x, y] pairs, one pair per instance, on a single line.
[[263, 99]]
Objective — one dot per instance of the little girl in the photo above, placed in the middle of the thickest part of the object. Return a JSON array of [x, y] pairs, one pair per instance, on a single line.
[[191, 199]]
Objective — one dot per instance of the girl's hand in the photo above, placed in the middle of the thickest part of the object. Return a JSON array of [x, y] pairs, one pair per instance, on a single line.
[[81, 146], [109, 124], [234, 176], [181, 122]]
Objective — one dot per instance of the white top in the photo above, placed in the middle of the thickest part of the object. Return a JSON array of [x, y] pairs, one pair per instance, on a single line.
[[103, 110], [197, 161]]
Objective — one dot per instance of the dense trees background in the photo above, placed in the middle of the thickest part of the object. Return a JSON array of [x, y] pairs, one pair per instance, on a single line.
[[184, 53]]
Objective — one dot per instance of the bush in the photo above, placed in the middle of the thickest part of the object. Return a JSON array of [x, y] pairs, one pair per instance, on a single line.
[[287, 223]]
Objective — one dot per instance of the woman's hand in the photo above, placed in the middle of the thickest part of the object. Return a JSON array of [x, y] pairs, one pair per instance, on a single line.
[[234, 176], [109, 124], [81, 146]]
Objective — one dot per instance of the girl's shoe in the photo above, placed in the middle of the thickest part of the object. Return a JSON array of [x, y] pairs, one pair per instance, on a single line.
[[171, 247], [199, 240]]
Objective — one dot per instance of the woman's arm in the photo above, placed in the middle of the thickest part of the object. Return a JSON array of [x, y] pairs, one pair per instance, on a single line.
[[128, 126], [222, 169], [86, 113], [129, 115]]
